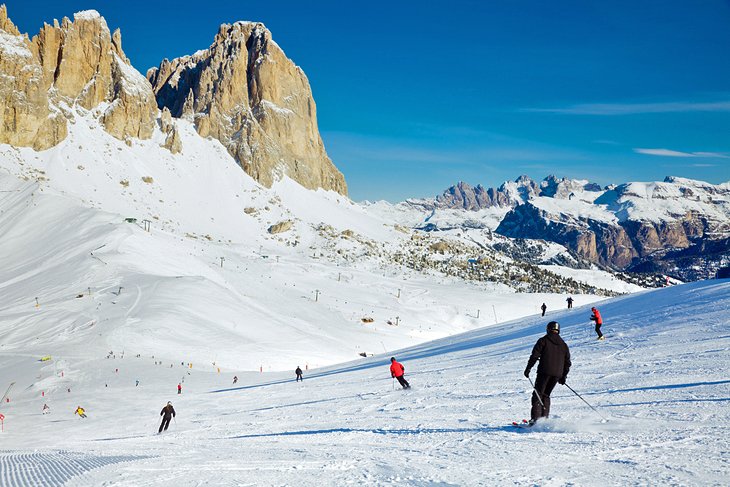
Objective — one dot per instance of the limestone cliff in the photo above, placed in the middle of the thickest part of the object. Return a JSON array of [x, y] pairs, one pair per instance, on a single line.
[[245, 92], [77, 63]]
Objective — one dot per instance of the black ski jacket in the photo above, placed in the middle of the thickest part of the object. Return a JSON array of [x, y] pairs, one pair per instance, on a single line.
[[553, 354], [168, 411]]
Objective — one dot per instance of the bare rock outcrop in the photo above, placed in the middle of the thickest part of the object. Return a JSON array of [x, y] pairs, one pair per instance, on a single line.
[[173, 142], [245, 92], [281, 227], [74, 63], [27, 117]]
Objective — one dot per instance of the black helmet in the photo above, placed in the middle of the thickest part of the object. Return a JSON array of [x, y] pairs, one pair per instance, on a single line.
[[392, 359], [553, 326]]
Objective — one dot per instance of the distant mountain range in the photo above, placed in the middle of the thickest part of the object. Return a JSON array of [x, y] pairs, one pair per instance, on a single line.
[[678, 226]]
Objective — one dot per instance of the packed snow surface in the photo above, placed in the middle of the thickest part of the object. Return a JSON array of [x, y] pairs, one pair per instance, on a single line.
[[126, 270], [659, 384]]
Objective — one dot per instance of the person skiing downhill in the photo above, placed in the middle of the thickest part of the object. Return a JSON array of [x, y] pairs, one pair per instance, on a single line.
[[570, 302], [299, 374], [397, 370], [554, 357], [46, 409], [80, 411], [167, 413], [596, 316], [179, 388], [543, 308], [235, 379]]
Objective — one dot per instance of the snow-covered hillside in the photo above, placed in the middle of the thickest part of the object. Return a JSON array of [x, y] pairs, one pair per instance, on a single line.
[[660, 381], [208, 280]]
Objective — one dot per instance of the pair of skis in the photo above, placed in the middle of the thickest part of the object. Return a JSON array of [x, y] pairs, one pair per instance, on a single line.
[[522, 424]]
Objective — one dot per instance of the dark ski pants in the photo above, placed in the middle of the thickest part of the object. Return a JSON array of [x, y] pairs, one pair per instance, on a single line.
[[544, 384], [300, 378], [165, 423], [543, 312], [598, 330], [402, 380]]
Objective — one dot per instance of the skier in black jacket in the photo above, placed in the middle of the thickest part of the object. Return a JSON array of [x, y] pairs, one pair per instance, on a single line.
[[169, 412], [554, 357]]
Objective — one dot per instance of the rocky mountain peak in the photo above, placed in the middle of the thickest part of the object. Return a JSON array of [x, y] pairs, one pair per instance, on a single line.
[[6, 24], [77, 63], [245, 92]]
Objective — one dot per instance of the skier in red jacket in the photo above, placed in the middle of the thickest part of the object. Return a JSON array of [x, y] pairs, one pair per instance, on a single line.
[[397, 370], [596, 316]]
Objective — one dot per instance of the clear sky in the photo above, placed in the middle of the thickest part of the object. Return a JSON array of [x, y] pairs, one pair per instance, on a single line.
[[416, 95]]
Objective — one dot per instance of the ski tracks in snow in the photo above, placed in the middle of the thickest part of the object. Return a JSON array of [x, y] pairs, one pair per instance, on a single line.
[[50, 469]]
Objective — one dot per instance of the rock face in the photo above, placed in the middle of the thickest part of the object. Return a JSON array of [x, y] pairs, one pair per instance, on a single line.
[[77, 63], [245, 92]]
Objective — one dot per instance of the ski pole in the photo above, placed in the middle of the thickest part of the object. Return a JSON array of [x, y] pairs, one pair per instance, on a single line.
[[581, 398], [537, 394]]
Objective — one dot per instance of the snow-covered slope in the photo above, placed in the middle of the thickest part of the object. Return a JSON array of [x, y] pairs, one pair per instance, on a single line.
[[208, 280], [660, 380]]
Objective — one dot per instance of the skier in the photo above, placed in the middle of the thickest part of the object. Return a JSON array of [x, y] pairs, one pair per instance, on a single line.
[[570, 302], [596, 316], [235, 379], [46, 409], [80, 411], [554, 357], [167, 413], [299, 374], [136, 383], [179, 388], [397, 370], [543, 308]]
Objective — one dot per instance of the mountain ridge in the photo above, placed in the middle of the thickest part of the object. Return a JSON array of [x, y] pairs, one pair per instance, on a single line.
[[629, 226]]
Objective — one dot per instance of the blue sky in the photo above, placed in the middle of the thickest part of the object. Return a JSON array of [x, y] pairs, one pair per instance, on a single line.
[[413, 96]]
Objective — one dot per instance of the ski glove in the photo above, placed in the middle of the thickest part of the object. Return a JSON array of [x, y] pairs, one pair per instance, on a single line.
[[561, 381], [527, 373]]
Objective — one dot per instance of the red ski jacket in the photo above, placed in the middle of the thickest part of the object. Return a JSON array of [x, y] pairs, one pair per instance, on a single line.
[[396, 369], [597, 317]]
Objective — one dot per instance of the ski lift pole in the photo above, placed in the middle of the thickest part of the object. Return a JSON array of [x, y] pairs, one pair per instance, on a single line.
[[537, 394], [581, 398]]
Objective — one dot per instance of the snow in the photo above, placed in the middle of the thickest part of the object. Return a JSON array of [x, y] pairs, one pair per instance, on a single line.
[[269, 105], [595, 278], [658, 379], [207, 294], [313, 284], [87, 15], [133, 82], [666, 201], [14, 46], [574, 208]]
